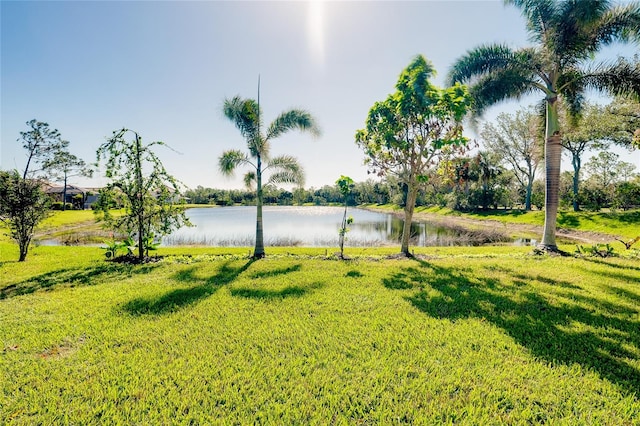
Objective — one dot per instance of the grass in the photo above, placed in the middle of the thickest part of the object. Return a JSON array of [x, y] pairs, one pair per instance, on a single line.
[[73, 227], [461, 336], [615, 223], [67, 218]]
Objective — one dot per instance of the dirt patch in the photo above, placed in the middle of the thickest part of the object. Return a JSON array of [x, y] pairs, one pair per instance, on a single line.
[[64, 349], [77, 234]]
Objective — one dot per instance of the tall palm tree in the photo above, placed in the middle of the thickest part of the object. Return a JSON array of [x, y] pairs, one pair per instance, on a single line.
[[566, 33], [247, 117]]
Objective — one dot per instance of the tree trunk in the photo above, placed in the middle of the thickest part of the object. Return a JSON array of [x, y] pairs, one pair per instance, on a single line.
[[140, 238], [64, 194], [527, 197], [553, 152], [140, 197], [529, 187], [576, 182], [24, 248], [409, 206], [258, 252], [343, 230]]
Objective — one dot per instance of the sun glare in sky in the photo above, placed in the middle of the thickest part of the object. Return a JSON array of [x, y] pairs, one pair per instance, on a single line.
[[163, 69], [315, 28]]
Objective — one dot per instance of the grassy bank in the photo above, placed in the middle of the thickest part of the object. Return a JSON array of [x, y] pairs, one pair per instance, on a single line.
[[72, 227], [625, 224], [465, 335]]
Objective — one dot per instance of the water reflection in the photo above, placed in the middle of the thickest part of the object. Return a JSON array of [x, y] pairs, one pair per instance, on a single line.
[[314, 227]]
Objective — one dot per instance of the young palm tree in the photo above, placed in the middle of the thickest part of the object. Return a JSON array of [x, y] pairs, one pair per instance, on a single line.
[[247, 117], [566, 33]]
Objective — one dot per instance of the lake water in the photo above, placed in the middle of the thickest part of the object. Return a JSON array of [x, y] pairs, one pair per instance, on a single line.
[[305, 226]]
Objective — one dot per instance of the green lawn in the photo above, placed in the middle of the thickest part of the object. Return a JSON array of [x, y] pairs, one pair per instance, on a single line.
[[463, 336]]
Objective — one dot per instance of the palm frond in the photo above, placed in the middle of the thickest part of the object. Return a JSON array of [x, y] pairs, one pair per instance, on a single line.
[[499, 60], [540, 111], [576, 20], [259, 147], [285, 162], [249, 179], [231, 159], [618, 79], [539, 14], [291, 120], [585, 26], [480, 61], [286, 177], [571, 87], [287, 169], [245, 114], [499, 86], [621, 23]]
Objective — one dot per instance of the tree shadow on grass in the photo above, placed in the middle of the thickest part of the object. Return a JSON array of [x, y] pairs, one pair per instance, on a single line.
[[610, 264], [546, 280], [627, 217], [7, 262], [568, 219], [557, 332], [75, 276], [265, 294], [276, 272], [632, 297], [179, 298]]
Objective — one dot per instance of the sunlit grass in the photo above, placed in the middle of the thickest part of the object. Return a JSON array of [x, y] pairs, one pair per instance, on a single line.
[[67, 218], [625, 224], [465, 335]]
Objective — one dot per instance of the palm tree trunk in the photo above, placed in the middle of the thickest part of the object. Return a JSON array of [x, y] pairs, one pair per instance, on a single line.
[[412, 194], [552, 154], [258, 252]]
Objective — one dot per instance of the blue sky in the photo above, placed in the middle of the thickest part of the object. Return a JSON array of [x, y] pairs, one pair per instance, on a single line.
[[164, 68]]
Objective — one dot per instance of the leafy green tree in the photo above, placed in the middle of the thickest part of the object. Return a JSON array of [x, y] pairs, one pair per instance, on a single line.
[[625, 171], [23, 205], [567, 34], [151, 195], [486, 165], [63, 165], [345, 184], [586, 132], [247, 117], [596, 127], [406, 133], [42, 144], [606, 171], [515, 139], [626, 111], [299, 196], [627, 195], [603, 168]]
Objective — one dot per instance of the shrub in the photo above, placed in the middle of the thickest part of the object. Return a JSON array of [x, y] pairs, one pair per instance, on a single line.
[[57, 205]]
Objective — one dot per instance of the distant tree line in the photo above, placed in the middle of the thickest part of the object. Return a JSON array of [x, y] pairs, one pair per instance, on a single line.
[[475, 186], [367, 192]]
